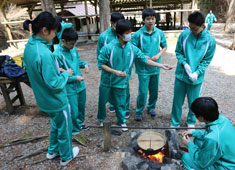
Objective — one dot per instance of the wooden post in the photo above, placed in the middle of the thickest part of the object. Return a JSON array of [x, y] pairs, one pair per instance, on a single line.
[[181, 14], [7, 26], [96, 18], [107, 135], [48, 5], [150, 3], [174, 19], [62, 9], [87, 21], [104, 15]]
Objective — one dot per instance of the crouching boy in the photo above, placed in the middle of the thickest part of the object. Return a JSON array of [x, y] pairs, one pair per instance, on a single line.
[[214, 148]]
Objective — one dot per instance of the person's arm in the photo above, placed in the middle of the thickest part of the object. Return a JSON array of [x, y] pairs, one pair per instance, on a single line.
[[179, 51], [50, 74], [113, 71], [135, 40], [141, 57], [207, 17], [214, 18], [163, 45], [207, 58], [100, 44], [62, 64], [206, 155]]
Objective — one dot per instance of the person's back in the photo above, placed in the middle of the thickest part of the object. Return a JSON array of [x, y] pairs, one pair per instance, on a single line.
[[39, 69], [223, 132], [211, 149]]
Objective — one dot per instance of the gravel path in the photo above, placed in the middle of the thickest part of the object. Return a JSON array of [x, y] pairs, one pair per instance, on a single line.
[[219, 84]]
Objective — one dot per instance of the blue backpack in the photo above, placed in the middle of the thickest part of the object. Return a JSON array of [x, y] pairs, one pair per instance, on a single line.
[[8, 68]]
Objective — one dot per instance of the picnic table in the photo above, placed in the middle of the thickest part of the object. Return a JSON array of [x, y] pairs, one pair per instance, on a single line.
[[8, 86]]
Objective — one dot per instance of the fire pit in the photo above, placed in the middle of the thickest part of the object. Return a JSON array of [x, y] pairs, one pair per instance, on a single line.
[[151, 150]]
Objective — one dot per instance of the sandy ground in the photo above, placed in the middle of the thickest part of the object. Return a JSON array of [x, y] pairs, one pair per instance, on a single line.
[[219, 84]]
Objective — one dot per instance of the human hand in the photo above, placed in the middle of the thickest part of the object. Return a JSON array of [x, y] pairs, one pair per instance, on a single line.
[[120, 73], [186, 139], [155, 58], [148, 57], [79, 78], [187, 133], [87, 69], [193, 77], [70, 71], [166, 67], [187, 69], [62, 70]]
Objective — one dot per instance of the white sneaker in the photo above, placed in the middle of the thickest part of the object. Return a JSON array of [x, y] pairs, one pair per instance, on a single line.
[[101, 124], [75, 154], [191, 126], [52, 156], [124, 129], [174, 127]]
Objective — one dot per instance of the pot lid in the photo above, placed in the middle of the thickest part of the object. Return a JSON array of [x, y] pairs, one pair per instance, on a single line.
[[151, 140]]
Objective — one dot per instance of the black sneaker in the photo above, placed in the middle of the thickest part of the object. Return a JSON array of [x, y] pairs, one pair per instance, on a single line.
[[152, 112], [127, 115], [111, 109], [84, 127]]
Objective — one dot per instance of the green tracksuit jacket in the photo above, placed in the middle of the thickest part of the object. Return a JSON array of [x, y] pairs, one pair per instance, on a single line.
[[197, 51], [150, 45], [216, 149], [105, 38], [47, 83]]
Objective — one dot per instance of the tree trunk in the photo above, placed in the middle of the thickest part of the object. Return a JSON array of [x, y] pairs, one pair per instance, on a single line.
[[229, 15], [232, 47], [48, 5], [104, 14]]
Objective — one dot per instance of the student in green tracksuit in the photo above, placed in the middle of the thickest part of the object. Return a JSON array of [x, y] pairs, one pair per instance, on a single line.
[[48, 85], [68, 58], [212, 149], [116, 61], [194, 50], [210, 18], [105, 38], [149, 39]]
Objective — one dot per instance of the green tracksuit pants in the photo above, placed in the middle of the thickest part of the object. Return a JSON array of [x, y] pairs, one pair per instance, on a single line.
[[209, 26], [77, 103], [127, 99], [61, 134], [118, 96], [180, 91], [147, 82]]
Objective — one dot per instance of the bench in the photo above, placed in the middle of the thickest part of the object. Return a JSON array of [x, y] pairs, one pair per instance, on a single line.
[[8, 86]]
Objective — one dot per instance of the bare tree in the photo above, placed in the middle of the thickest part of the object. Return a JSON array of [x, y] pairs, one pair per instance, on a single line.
[[48, 5], [104, 14], [229, 15], [232, 47]]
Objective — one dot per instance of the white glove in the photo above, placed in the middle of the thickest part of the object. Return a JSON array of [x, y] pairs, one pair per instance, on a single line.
[[187, 69], [193, 77]]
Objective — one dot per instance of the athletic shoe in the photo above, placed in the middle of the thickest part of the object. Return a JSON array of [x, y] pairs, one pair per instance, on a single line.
[[75, 153], [127, 115], [84, 127], [152, 112], [52, 156], [138, 117], [111, 109]]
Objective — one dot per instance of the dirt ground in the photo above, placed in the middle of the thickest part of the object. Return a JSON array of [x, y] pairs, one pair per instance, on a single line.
[[219, 84]]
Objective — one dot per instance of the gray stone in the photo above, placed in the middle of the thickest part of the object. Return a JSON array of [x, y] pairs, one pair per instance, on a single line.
[[134, 163]]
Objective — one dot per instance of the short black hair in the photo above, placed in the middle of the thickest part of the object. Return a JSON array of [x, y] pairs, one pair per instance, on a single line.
[[205, 107], [44, 19], [123, 26], [115, 16], [69, 34], [148, 12], [196, 18]]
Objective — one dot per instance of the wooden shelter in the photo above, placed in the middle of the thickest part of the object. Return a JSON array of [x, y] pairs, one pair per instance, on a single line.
[[127, 6]]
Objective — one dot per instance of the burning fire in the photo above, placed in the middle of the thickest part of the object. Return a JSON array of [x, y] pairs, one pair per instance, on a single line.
[[156, 158]]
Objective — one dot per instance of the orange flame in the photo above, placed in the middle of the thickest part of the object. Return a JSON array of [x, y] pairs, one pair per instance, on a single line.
[[156, 157]]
